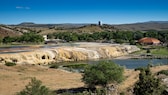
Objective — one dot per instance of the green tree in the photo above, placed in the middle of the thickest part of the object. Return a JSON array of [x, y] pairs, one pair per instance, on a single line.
[[147, 84], [8, 39], [31, 37], [103, 74], [1, 40], [35, 87], [137, 35]]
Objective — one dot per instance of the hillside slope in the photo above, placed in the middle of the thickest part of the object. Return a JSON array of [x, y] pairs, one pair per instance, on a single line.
[[5, 31], [152, 25], [44, 29]]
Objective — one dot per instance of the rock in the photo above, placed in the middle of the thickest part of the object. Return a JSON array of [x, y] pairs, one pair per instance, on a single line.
[[60, 54]]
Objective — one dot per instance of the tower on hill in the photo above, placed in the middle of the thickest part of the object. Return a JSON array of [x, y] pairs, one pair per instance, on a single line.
[[99, 23]]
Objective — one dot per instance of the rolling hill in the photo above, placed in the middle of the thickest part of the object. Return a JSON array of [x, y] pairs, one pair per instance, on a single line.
[[15, 30], [144, 26], [7, 31]]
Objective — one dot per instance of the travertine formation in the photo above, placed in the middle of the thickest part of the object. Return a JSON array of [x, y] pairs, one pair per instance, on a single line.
[[84, 51]]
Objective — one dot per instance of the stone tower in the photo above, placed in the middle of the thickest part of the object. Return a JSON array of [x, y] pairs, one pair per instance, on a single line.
[[100, 23]]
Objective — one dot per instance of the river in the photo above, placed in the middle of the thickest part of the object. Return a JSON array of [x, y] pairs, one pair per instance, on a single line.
[[128, 63], [135, 63]]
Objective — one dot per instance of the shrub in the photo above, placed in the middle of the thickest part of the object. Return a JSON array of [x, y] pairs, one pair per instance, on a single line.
[[10, 64], [35, 87], [139, 68], [165, 72], [102, 74], [55, 66], [148, 84]]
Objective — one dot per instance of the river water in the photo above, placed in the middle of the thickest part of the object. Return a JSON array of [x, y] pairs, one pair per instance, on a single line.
[[135, 63]]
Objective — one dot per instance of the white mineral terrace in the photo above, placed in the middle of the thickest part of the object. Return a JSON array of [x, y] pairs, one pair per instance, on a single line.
[[80, 51]]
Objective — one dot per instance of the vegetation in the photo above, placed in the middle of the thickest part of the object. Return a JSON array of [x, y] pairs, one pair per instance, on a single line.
[[54, 66], [156, 50], [25, 38], [148, 84], [103, 74], [139, 68], [160, 51], [76, 66], [98, 91], [165, 72], [119, 36], [35, 87], [10, 64]]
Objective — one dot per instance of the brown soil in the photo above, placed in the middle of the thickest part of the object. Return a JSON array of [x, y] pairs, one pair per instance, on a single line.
[[7, 32], [13, 79]]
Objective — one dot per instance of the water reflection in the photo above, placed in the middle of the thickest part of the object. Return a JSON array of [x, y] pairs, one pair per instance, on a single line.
[[134, 63]]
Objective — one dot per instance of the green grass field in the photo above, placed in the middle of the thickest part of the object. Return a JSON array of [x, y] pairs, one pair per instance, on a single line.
[[160, 51]]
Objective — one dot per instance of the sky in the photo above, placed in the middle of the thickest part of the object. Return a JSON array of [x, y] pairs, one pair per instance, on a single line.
[[82, 11]]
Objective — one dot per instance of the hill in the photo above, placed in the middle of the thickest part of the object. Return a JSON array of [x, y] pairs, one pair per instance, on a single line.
[[14, 30], [144, 26], [8, 31]]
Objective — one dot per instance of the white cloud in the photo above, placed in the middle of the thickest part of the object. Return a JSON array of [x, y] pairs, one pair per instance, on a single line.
[[20, 7]]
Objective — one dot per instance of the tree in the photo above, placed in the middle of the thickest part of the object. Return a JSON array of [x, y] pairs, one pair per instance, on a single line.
[[137, 35], [8, 39], [31, 37], [1, 40], [103, 74], [148, 84], [35, 87]]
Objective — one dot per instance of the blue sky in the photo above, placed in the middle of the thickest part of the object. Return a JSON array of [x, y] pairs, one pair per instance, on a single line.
[[82, 11]]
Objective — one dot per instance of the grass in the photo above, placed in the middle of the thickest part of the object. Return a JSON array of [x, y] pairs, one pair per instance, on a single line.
[[55, 66], [10, 64], [157, 50], [160, 51], [76, 66], [165, 72]]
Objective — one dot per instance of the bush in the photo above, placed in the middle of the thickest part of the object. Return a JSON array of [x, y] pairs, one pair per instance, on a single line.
[[165, 72], [35, 87], [102, 74], [55, 66], [148, 51], [148, 84], [10, 64], [139, 68]]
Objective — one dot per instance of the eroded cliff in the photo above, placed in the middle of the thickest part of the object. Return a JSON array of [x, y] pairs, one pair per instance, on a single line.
[[84, 51]]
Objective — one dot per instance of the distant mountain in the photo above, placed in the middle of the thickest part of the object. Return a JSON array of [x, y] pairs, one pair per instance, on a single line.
[[144, 26], [26, 23], [161, 22], [64, 25]]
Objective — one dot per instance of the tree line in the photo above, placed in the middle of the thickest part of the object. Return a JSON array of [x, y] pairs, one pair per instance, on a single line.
[[25, 38], [118, 36]]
